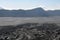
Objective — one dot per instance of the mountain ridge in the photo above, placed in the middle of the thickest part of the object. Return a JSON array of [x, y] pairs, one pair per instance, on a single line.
[[36, 12]]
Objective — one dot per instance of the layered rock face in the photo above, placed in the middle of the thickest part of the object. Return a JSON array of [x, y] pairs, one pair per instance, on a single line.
[[31, 31]]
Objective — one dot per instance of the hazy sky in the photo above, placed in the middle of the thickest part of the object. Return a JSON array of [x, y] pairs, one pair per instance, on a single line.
[[29, 4]]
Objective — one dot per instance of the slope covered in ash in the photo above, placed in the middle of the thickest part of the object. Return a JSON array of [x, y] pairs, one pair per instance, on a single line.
[[31, 31]]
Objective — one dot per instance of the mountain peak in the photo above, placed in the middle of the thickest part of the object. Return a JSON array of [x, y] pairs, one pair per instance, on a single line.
[[39, 8]]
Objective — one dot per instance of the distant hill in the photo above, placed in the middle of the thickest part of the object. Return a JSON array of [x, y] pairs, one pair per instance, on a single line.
[[37, 12], [54, 12]]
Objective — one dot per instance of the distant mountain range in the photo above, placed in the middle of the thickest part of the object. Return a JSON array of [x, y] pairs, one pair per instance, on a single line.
[[37, 12]]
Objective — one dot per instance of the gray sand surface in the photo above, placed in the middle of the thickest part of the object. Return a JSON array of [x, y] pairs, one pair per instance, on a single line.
[[20, 20]]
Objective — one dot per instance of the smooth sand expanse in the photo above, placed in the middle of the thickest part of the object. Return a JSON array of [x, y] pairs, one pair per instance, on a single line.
[[20, 20]]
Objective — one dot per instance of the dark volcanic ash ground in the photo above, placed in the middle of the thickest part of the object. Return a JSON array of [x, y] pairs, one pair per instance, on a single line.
[[31, 31]]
